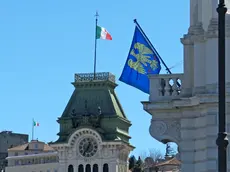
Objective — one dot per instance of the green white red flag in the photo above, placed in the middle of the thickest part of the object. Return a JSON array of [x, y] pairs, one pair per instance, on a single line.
[[35, 124], [102, 33]]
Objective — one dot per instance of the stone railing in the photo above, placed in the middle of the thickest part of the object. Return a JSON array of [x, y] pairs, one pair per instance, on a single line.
[[101, 76], [165, 86]]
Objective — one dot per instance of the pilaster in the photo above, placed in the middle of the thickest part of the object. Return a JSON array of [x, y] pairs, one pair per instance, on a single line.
[[188, 64], [199, 58]]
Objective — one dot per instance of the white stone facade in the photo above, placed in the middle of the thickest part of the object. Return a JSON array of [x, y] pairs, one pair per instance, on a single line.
[[69, 157], [109, 156], [46, 162], [187, 114], [34, 156]]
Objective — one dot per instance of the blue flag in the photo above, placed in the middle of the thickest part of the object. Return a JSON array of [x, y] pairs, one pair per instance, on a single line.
[[142, 60]]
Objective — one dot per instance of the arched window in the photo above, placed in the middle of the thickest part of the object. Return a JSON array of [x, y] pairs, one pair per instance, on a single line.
[[105, 168], [80, 168], [88, 168], [70, 168], [95, 168]]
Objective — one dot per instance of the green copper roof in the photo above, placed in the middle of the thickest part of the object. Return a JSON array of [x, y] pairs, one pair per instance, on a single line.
[[94, 104], [91, 95]]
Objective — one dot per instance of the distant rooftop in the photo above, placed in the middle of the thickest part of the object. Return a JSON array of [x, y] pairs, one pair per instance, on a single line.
[[5, 132], [100, 76], [11, 132], [26, 146]]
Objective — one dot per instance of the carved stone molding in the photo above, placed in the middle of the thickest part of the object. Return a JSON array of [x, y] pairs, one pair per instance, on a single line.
[[159, 128], [196, 29], [195, 34], [186, 40], [83, 132], [212, 31], [163, 130]]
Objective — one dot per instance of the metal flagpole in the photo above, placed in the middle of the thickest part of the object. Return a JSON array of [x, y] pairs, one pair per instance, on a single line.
[[32, 129], [95, 50]]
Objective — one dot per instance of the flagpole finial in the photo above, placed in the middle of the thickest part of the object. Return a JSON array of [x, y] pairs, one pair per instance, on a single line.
[[135, 20], [96, 15]]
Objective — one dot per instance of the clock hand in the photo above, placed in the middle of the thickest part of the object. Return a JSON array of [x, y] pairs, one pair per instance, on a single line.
[[87, 148]]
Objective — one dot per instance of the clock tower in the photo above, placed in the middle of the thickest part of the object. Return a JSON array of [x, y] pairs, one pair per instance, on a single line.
[[94, 131]]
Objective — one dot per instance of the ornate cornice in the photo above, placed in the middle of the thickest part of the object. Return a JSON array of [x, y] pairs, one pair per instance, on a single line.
[[186, 40], [195, 34]]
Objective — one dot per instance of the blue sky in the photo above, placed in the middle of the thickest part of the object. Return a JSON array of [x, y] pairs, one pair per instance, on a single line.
[[43, 43]]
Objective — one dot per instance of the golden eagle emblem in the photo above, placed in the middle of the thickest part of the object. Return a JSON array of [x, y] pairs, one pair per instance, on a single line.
[[142, 59]]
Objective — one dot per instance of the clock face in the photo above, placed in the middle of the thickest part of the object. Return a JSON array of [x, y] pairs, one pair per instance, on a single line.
[[88, 147]]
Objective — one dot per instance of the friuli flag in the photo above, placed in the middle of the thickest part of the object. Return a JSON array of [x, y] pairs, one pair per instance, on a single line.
[[142, 60]]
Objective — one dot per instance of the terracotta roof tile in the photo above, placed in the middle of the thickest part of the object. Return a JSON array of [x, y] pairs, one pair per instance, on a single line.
[[19, 148], [172, 161], [48, 148], [24, 146]]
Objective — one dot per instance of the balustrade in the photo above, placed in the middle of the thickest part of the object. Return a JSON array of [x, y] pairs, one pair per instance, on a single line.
[[166, 86]]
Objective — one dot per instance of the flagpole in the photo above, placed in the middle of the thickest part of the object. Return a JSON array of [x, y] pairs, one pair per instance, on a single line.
[[32, 129], [95, 48]]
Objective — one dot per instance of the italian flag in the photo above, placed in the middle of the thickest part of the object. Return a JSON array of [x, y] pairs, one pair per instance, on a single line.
[[35, 124], [102, 33]]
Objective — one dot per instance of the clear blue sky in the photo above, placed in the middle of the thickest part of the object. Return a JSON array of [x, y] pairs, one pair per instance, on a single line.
[[43, 43]]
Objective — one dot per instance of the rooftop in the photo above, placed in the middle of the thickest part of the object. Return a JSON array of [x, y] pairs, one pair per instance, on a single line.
[[23, 147], [11, 132], [172, 161]]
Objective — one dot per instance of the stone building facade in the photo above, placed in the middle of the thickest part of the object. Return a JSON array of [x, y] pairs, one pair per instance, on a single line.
[[184, 106], [34, 156], [8, 139]]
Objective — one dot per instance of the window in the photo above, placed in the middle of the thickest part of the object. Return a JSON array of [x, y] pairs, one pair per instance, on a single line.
[[105, 168], [80, 168], [16, 154], [95, 168], [26, 153], [70, 168], [88, 168], [36, 146]]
